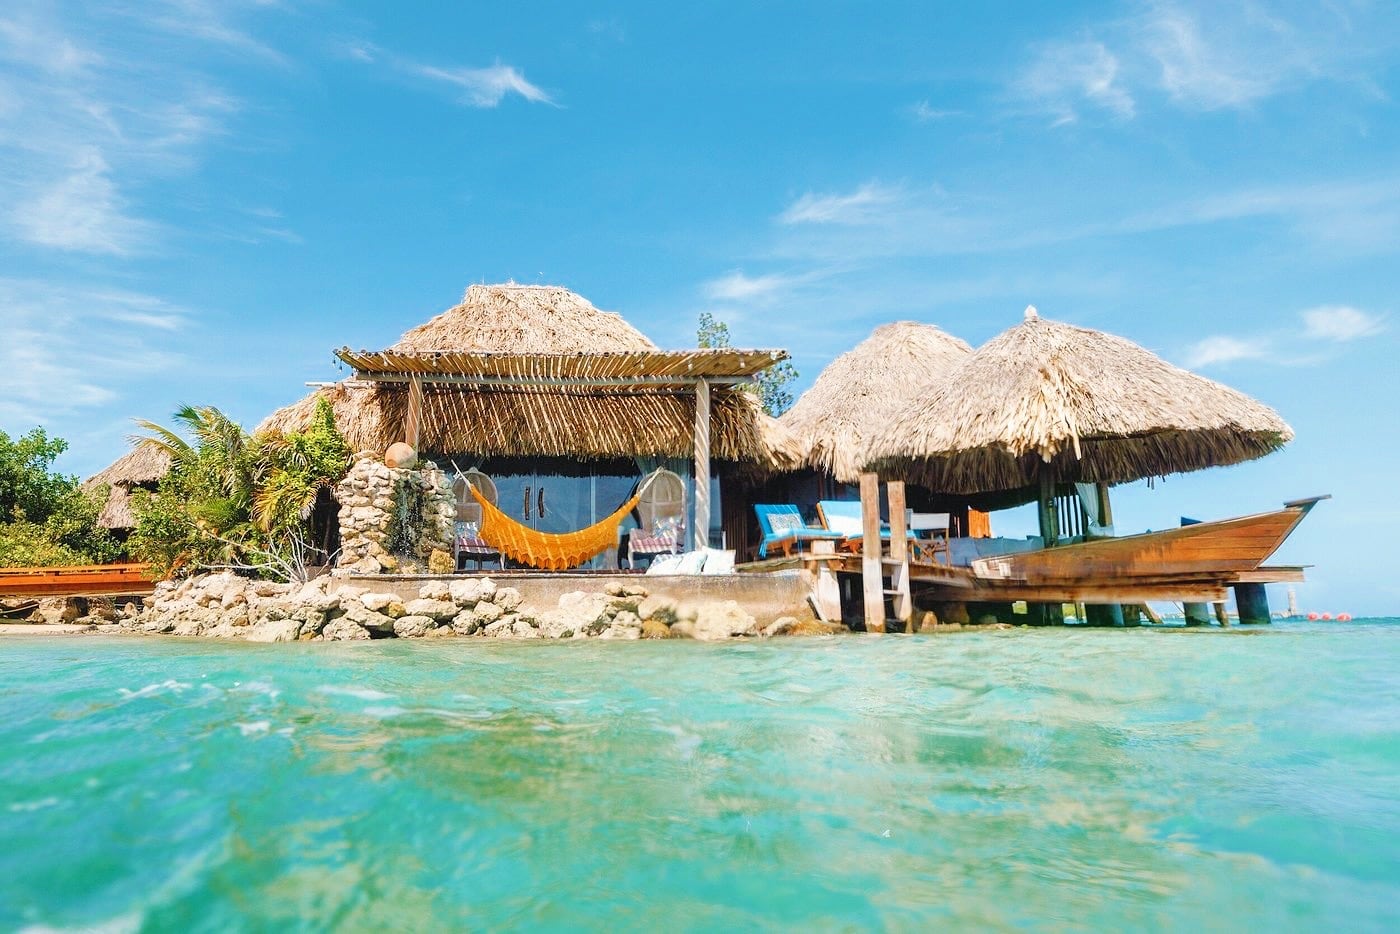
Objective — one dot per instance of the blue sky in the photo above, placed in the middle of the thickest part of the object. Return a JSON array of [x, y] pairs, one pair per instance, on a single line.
[[199, 200]]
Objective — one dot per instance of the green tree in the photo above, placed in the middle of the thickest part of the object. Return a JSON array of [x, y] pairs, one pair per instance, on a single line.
[[47, 518], [235, 500], [771, 385]]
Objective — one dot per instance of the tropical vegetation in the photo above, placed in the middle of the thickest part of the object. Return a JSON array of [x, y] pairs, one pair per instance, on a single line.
[[234, 500], [47, 518], [771, 385]]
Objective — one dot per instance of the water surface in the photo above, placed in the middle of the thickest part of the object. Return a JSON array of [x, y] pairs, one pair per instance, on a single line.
[[1062, 779]]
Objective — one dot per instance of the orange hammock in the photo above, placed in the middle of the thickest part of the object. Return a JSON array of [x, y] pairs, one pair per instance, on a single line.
[[548, 550]]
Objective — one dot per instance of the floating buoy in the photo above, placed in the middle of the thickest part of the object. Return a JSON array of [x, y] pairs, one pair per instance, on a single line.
[[1343, 617], [1312, 616], [1327, 616]]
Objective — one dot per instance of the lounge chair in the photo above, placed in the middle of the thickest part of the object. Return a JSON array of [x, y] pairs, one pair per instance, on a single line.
[[930, 535], [843, 516], [783, 529]]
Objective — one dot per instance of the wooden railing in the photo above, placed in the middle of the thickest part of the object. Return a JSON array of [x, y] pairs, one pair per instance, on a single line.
[[92, 580]]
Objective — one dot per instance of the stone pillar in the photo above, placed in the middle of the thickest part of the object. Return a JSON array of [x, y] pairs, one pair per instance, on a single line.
[[1252, 600]]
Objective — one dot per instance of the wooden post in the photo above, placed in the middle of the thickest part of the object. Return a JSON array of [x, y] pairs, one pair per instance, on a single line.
[[1104, 614], [1222, 615], [899, 555], [413, 419], [1252, 600], [826, 590], [1196, 614], [1048, 614], [871, 567], [700, 534]]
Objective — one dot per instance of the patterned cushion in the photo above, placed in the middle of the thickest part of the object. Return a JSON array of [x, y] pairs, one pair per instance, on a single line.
[[469, 541], [781, 522]]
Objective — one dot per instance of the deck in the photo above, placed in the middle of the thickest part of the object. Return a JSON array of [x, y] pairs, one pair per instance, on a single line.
[[94, 580]]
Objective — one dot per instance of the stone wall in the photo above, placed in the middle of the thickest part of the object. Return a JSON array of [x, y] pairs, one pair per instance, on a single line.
[[368, 509]]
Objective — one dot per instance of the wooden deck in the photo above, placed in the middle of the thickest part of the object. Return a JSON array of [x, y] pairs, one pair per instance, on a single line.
[[96, 580]]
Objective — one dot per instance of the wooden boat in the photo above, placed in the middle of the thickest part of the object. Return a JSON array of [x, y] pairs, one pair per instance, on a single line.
[[1191, 563], [85, 581]]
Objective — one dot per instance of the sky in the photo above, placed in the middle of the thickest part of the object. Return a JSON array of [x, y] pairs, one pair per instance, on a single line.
[[200, 200]]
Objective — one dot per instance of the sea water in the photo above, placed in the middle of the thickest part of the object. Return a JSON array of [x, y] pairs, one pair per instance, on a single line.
[[1070, 779]]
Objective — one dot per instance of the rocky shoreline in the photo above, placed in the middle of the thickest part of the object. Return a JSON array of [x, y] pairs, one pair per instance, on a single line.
[[226, 606]]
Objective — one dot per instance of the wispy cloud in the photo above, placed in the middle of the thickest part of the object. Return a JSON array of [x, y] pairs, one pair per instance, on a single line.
[[486, 87], [1063, 75], [1221, 349], [81, 210], [924, 112], [1290, 346], [70, 348], [1340, 323], [1199, 56], [858, 207], [737, 287]]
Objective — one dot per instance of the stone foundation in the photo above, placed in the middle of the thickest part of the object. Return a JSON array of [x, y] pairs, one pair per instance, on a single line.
[[368, 514]]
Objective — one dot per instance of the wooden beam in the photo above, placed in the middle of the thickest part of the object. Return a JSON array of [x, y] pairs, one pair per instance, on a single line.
[[872, 569], [413, 418], [700, 534], [467, 379]]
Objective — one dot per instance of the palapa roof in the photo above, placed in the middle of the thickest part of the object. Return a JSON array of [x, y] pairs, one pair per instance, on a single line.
[[858, 394], [1097, 406], [514, 318], [143, 464]]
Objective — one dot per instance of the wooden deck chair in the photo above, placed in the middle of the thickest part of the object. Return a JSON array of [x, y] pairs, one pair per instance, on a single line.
[[660, 520], [841, 515], [784, 529], [467, 542], [930, 531]]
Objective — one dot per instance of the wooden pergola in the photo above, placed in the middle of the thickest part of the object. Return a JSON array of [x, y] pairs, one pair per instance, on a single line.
[[613, 373]]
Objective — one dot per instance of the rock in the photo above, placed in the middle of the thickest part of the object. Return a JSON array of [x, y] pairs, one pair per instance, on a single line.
[[268, 588], [634, 590], [365, 565], [314, 595], [344, 630], [401, 456], [465, 623], [661, 609], [368, 619], [723, 621], [486, 588], [440, 562], [439, 632], [507, 598], [498, 628], [407, 627], [615, 589], [815, 627], [378, 601], [465, 593], [780, 626], [987, 619], [524, 630], [191, 626], [436, 590], [685, 629], [928, 623], [487, 613], [437, 609], [655, 629], [284, 630]]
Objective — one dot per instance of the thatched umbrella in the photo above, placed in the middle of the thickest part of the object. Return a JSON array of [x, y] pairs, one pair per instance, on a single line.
[[524, 318], [860, 393], [1047, 402], [143, 465]]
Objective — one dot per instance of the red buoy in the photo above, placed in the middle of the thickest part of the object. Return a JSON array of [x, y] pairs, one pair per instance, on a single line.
[[1312, 616]]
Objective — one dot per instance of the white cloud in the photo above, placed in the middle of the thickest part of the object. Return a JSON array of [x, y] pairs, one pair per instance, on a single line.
[[486, 87], [1221, 349], [859, 207], [1065, 75], [923, 112], [1248, 56], [80, 211], [1339, 323], [737, 287]]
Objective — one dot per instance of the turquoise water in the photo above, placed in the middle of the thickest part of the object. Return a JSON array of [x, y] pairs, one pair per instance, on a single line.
[[1063, 779]]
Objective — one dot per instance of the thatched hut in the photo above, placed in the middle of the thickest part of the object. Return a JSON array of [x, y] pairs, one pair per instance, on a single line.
[[858, 393], [558, 401], [141, 467], [1048, 403]]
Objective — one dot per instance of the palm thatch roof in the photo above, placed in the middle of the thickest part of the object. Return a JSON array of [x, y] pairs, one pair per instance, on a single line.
[[859, 393], [1097, 407], [143, 465], [524, 318]]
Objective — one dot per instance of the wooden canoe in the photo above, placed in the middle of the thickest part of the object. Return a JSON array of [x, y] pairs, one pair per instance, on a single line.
[[1224, 549], [94, 580]]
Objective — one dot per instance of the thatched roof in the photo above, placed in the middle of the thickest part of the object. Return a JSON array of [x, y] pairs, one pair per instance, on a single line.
[[1099, 407], [858, 394], [524, 318], [144, 464]]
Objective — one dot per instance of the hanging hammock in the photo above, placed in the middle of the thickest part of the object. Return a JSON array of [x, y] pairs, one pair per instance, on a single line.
[[551, 551]]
